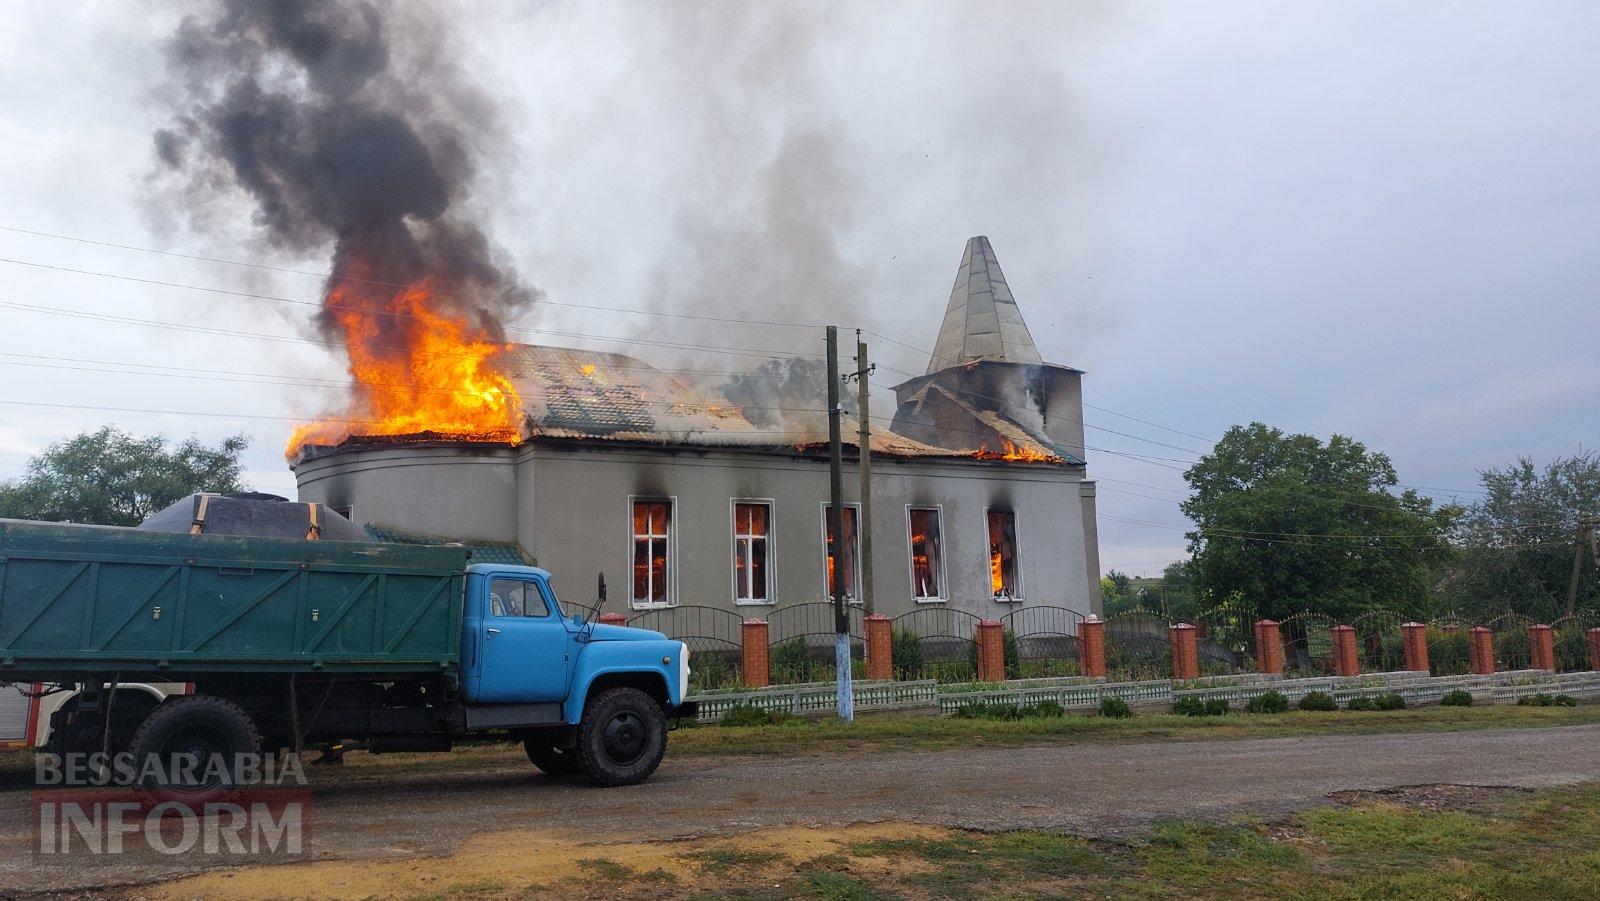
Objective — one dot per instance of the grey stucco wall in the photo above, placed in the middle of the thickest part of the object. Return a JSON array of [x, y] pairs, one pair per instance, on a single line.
[[568, 507], [464, 491]]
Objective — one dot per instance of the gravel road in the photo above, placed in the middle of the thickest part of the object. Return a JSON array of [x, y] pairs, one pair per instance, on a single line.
[[1089, 789]]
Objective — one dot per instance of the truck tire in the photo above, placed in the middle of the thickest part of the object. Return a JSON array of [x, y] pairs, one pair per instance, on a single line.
[[213, 731], [622, 737], [545, 754]]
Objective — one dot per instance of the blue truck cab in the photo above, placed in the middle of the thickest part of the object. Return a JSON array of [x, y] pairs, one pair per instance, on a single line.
[[590, 696]]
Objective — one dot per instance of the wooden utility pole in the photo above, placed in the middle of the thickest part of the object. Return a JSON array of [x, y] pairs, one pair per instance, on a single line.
[[1586, 535], [841, 617], [864, 521]]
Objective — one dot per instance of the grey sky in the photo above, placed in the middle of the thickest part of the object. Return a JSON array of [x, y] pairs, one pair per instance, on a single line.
[[1369, 218]]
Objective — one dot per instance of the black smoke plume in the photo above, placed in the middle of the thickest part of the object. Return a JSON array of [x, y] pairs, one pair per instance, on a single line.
[[346, 125]]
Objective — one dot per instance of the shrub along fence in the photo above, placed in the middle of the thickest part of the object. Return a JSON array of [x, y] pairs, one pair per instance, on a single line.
[[795, 645]]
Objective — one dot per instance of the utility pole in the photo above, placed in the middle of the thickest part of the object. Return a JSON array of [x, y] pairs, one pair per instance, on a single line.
[[841, 618], [864, 525], [1586, 535]]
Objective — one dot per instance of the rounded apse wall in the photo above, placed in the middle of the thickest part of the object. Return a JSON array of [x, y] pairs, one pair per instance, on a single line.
[[465, 492]]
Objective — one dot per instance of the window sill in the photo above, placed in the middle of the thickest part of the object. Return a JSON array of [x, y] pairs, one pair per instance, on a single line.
[[932, 600], [1003, 599], [746, 602], [663, 605]]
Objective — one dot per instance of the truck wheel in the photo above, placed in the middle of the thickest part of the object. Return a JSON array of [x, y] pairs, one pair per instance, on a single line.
[[189, 748], [547, 756], [622, 737]]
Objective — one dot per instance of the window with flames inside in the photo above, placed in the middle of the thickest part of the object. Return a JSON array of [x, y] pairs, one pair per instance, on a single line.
[[1003, 585], [927, 562], [849, 567], [652, 527], [751, 531]]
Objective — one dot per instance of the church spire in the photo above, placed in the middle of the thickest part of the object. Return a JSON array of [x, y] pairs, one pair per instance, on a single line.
[[982, 321]]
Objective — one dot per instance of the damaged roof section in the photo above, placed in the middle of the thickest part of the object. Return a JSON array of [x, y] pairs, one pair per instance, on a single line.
[[935, 413], [591, 395]]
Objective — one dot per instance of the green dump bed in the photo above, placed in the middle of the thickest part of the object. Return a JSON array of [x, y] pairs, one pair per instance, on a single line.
[[99, 599]]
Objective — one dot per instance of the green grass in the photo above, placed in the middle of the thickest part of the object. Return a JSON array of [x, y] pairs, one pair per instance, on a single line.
[[1494, 843], [933, 733]]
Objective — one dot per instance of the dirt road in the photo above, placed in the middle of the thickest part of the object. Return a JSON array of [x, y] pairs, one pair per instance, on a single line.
[[1094, 790]]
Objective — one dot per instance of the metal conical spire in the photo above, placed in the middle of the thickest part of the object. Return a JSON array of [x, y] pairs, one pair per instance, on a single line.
[[982, 321]]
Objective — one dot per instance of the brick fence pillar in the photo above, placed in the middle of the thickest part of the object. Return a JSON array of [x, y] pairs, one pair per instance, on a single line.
[[1594, 648], [1185, 651], [1541, 648], [1416, 645], [613, 619], [1480, 645], [1345, 661], [1269, 647], [991, 651], [1092, 647], [880, 647], [754, 635]]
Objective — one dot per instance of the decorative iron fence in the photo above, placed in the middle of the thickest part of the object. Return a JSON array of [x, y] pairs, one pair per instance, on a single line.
[[936, 643], [1138, 646], [1046, 640], [1307, 644]]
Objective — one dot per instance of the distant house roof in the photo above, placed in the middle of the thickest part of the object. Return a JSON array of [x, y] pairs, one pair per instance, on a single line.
[[481, 552], [982, 320]]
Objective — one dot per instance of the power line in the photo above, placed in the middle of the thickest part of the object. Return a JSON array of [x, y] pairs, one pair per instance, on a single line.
[[329, 276], [319, 305]]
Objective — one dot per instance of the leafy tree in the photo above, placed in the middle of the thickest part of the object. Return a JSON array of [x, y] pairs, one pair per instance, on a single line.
[[1286, 523], [108, 477], [1517, 543]]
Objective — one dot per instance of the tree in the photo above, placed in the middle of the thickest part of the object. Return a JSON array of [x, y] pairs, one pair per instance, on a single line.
[[1517, 544], [108, 477], [1285, 523]]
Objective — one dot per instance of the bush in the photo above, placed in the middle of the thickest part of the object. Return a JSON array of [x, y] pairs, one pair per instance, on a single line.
[[905, 649], [1216, 707], [750, 715], [979, 711], [711, 670], [791, 662], [1390, 701], [1189, 706], [1544, 700], [1268, 702], [1458, 698], [1043, 709], [1318, 700], [1116, 708], [1361, 703]]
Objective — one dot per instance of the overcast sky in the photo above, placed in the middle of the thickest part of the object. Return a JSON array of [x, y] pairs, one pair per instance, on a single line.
[[1377, 219]]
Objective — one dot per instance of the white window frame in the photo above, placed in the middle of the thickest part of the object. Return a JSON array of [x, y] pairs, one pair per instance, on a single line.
[[822, 533], [1016, 536], [672, 551], [944, 554], [733, 550]]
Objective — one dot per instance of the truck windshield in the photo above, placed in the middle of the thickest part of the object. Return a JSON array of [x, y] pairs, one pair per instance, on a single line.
[[519, 597]]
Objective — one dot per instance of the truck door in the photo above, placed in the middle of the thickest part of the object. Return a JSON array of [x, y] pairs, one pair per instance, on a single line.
[[526, 645]]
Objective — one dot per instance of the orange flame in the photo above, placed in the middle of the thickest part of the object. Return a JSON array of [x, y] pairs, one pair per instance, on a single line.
[[437, 376], [1012, 452], [997, 578]]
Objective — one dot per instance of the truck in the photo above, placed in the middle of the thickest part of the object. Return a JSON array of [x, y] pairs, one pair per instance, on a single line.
[[280, 644]]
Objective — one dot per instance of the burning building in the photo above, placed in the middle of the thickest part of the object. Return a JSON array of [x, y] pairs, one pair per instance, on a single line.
[[680, 497]]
